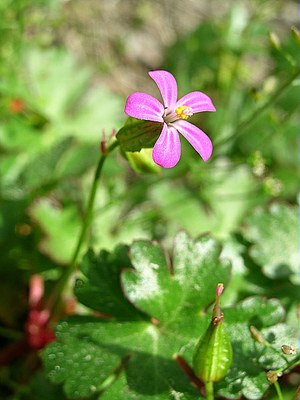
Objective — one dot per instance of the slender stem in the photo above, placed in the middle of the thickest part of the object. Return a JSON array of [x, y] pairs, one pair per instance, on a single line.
[[290, 364], [209, 388], [256, 113], [54, 300], [278, 390]]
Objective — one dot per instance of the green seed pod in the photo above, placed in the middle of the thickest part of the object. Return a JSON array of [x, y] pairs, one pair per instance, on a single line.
[[213, 353]]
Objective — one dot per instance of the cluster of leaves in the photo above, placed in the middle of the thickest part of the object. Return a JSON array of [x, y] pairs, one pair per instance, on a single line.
[[142, 312], [155, 311]]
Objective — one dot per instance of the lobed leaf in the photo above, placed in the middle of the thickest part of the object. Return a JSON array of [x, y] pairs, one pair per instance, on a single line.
[[174, 297]]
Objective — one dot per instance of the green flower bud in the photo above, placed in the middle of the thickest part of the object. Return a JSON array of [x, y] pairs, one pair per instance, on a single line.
[[213, 353], [141, 161]]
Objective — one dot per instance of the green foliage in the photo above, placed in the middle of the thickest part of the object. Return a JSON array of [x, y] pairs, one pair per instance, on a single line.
[[172, 299], [274, 232], [54, 220], [141, 308]]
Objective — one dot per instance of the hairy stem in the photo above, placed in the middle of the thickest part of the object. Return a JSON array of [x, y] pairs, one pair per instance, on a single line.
[[54, 300]]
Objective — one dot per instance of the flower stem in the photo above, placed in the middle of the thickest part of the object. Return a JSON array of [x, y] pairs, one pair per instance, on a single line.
[[278, 390], [256, 113], [54, 300], [209, 388]]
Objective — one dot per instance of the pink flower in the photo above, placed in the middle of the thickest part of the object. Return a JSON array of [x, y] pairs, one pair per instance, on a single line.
[[173, 115]]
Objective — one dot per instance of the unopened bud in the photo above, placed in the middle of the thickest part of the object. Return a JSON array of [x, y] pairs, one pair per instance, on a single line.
[[103, 142], [141, 161], [256, 335], [219, 290], [289, 349], [272, 376], [217, 315], [36, 290]]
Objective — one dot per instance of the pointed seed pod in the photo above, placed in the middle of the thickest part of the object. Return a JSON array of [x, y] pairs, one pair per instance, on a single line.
[[213, 353]]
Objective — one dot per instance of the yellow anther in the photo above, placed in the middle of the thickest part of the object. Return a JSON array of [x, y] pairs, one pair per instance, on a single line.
[[184, 112]]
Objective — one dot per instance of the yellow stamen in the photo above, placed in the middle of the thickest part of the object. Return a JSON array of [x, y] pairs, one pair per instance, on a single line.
[[184, 112]]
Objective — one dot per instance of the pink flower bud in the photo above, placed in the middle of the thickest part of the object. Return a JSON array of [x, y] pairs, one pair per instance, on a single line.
[[36, 290], [219, 290]]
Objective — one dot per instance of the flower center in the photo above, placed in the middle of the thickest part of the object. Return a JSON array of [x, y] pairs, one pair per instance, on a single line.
[[181, 112]]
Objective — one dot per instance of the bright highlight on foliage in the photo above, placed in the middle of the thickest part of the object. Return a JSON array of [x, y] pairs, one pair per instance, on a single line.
[[172, 114]]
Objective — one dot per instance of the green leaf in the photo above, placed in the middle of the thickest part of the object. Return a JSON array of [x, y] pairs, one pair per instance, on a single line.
[[102, 275], [61, 227], [135, 136], [191, 287], [39, 387], [120, 389], [89, 351], [51, 74], [43, 168], [174, 298], [273, 233], [247, 373], [76, 162]]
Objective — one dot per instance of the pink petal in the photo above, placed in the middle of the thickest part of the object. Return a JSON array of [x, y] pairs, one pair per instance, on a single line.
[[167, 85], [166, 151], [143, 106], [198, 102], [197, 138]]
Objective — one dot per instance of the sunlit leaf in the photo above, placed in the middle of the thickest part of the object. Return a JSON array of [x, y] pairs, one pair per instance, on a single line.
[[273, 233]]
